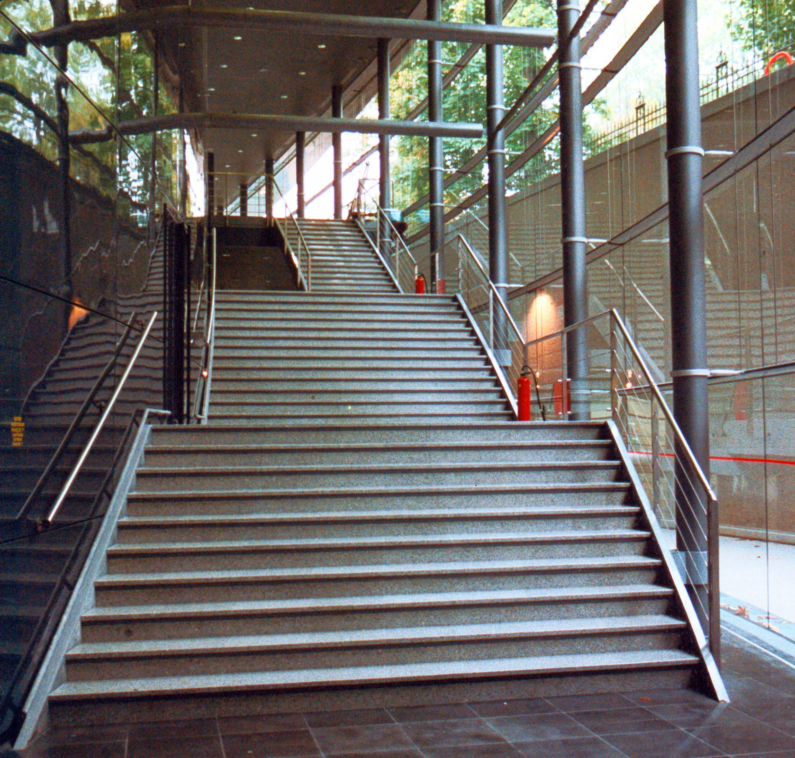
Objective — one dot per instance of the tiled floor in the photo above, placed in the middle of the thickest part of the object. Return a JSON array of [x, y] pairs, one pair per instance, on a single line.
[[759, 722]]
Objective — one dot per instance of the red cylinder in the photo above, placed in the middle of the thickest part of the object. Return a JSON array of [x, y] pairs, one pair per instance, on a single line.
[[419, 284], [441, 287], [523, 397]]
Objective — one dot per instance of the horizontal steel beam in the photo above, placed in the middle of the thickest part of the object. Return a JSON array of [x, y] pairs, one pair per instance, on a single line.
[[316, 24], [272, 124]]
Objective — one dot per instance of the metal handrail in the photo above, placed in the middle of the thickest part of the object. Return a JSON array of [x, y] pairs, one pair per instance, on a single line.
[[669, 416], [46, 521], [209, 343], [301, 238], [397, 234], [76, 421], [636, 288]]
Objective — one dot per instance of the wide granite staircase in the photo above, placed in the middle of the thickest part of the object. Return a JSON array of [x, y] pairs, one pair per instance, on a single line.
[[362, 522]]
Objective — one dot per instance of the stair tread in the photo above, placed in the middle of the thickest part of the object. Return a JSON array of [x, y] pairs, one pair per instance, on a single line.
[[364, 602], [374, 637], [371, 675], [414, 569], [350, 542], [383, 515]]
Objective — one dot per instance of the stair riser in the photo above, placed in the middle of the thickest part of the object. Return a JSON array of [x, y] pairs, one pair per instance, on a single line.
[[155, 708], [184, 592], [367, 375], [226, 399], [244, 335], [333, 319], [392, 407], [129, 535], [262, 558], [318, 353], [348, 416], [348, 655], [222, 457], [25, 593], [502, 433], [317, 620], [353, 343], [179, 505], [25, 561], [413, 366], [228, 481], [306, 384]]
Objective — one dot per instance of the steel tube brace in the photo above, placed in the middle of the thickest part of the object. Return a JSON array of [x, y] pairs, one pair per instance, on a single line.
[[316, 24]]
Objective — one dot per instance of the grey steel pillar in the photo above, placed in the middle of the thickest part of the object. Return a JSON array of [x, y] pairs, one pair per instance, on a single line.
[[336, 141], [153, 156], [435, 151], [269, 180], [498, 237], [243, 199], [210, 178], [61, 16], [300, 149], [688, 304], [183, 168], [572, 191], [385, 180]]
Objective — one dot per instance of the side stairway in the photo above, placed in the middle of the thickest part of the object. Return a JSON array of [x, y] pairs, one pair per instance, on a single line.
[[361, 523], [343, 260]]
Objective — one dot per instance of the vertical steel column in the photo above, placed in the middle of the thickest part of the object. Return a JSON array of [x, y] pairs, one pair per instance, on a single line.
[[336, 141], [183, 168], [688, 305], [572, 191], [210, 179], [435, 151], [153, 156], [385, 178], [61, 16], [300, 149], [269, 180], [498, 238], [243, 199]]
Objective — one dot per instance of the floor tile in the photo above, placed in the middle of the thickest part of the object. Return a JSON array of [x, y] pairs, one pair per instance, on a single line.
[[270, 745], [433, 713], [653, 697], [427, 734], [538, 727], [785, 726], [598, 702], [389, 753], [701, 714], [84, 750], [739, 739], [583, 747], [173, 730], [272, 722], [512, 707], [81, 734], [502, 750], [662, 744], [621, 720], [363, 738], [348, 718], [183, 747]]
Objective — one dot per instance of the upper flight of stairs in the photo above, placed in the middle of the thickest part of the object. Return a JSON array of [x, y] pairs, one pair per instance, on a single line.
[[343, 260], [363, 523]]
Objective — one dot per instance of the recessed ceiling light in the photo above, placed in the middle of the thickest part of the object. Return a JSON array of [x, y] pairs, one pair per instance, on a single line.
[[223, 65], [239, 151], [238, 37], [182, 44], [284, 97], [211, 89], [228, 166], [321, 47], [302, 73], [254, 135], [263, 70]]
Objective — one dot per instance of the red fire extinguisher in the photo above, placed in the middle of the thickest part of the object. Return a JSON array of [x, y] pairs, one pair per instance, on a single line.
[[523, 396], [419, 285]]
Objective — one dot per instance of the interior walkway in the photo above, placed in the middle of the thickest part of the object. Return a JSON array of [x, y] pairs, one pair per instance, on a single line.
[[759, 722]]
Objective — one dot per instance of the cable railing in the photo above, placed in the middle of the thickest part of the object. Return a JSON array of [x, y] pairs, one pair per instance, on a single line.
[[389, 242], [294, 239]]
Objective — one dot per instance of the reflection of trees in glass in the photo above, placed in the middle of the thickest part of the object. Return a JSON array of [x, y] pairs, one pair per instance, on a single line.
[[766, 26]]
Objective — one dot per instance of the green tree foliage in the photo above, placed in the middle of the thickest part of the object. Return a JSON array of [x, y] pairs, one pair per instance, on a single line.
[[766, 26]]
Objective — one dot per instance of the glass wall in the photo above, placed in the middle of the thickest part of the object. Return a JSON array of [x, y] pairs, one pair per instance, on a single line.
[[81, 273]]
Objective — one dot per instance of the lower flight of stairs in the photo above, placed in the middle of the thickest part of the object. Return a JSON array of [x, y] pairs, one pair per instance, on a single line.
[[362, 523]]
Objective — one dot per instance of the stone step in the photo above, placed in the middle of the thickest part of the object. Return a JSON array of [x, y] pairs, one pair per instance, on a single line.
[[366, 647], [226, 585], [317, 689], [424, 454], [168, 621], [370, 551]]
